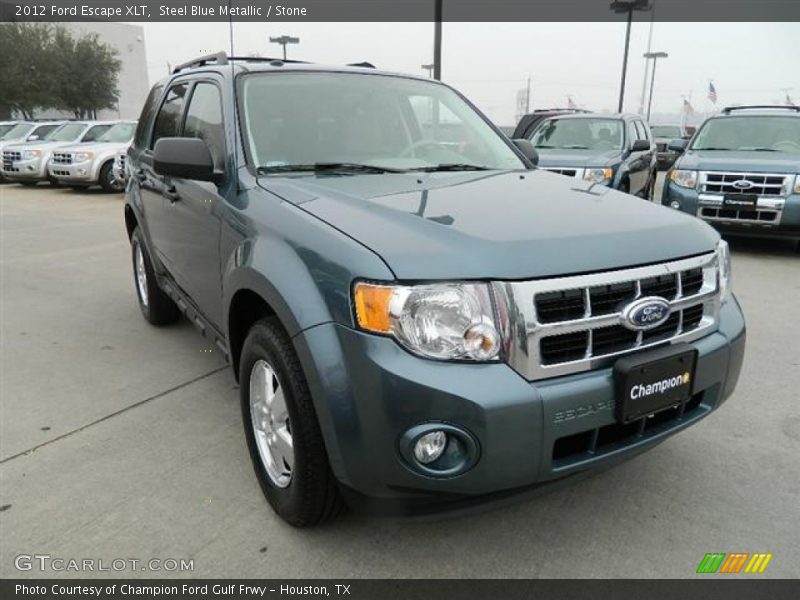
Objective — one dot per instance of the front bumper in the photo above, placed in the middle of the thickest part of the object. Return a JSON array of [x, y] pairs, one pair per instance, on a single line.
[[25, 170], [786, 225], [72, 173], [368, 392]]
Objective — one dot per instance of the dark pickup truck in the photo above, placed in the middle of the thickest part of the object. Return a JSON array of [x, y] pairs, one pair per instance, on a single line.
[[419, 320]]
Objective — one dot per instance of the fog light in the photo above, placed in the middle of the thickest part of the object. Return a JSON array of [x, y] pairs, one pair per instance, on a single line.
[[81, 171], [675, 204], [430, 446]]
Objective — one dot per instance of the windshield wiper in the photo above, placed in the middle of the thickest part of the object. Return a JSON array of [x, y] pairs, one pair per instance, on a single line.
[[576, 147], [759, 149], [344, 167], [713, 148], [451, 167]]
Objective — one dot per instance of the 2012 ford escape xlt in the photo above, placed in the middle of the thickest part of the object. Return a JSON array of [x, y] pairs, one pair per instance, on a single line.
[[419, 320]]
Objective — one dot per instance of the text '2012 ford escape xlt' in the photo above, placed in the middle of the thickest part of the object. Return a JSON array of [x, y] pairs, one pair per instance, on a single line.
[[418, 319]]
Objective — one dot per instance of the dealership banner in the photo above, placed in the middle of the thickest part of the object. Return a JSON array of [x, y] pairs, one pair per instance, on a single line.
[[401, 589], [399, 10]]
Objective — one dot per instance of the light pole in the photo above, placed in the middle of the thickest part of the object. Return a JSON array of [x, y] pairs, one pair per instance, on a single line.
[[437, 40], [429, 68], [655, 56], [284, 41], [627, 6]]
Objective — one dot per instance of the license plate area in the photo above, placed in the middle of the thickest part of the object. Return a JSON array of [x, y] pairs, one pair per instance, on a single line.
[[653, 381], [740, 201]]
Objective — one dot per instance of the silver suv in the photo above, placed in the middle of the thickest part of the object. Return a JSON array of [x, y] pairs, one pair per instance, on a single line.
[[25, 131], [85, 165], [26, 163]]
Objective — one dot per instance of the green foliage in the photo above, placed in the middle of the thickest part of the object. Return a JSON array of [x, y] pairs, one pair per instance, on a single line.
[[46, 67]]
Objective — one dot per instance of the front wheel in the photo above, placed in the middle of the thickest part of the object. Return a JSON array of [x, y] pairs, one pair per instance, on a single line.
[[157, 308], [107, 180], [282, 431]]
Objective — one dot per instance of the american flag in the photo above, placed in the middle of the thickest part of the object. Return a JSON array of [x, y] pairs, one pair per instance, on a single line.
[[712, 92]]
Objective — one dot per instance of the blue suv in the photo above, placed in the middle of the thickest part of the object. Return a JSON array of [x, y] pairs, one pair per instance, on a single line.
[[740, 172]]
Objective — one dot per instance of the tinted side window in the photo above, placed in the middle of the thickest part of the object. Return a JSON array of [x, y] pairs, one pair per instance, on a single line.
[[148, 110], [95, 132], [204, 120], [43, 130], [644, 132], [168, 120]]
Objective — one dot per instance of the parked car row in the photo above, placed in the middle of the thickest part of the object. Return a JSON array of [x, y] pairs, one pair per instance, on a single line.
[[74, 153]]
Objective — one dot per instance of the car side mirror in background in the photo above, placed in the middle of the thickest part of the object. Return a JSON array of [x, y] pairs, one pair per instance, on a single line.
[[640, 146], [187, 158], [527, 150], [32, 138], [678, 145]]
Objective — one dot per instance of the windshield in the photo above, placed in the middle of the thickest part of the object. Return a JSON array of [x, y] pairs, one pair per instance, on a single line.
[[119, 133], [18, 131], [68, 132], [579, 134], [760, 133], [5, 128], [666, 131], [376, 120]]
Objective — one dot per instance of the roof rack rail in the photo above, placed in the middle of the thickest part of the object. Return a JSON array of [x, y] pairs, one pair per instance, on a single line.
[[267, 59], [363, 65], [574, 110], [220, 58], [729, 109]]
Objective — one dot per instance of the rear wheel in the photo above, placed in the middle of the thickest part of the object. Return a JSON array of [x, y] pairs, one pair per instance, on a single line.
[[282, 430], [156, 306], [107, 180]]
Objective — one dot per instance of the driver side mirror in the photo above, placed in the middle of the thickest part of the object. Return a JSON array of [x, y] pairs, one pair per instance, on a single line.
[[527, 150], [640, 146], [186, 158], [32, 138], [678, 145]]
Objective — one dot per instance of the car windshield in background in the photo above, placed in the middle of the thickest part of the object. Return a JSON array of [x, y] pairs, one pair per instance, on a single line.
[[754, 133], [119, 133], [666, 131], [4, 129], [579, 134], [366, 123], [69, 132], [17, 132]]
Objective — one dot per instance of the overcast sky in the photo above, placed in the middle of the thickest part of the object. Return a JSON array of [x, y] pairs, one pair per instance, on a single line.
[[490, 62]]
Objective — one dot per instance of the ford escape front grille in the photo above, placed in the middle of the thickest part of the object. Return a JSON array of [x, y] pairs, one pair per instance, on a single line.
[[574, 324]]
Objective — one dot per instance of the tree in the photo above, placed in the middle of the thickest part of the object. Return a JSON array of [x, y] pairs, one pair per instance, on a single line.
[[87, 74], [45, 66], [26, 70]]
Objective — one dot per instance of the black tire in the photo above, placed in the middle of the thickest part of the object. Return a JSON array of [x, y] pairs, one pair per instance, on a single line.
[[157, 308], [625, 186], [311, 496], [107, 180]]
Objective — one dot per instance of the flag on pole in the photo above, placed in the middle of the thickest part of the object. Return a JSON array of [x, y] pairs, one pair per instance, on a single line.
[[688, 109], [789, 101], [571, 103], [712, 92]]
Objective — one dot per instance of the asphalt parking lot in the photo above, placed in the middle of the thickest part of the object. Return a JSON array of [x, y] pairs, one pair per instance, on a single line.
[[120, 440]]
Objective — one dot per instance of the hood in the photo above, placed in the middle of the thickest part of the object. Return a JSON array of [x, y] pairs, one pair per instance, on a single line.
[[756, 162], [37, 145], [558, 157], [498, 225], [97, 147]]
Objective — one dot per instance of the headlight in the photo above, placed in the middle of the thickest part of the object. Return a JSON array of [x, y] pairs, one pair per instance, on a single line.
[[80, 157], [687, 179], [598, 175], [31, 154], [450, 321], [724, 269]]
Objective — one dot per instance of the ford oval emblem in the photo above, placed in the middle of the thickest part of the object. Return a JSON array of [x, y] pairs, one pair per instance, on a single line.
[[645, 313], [742, 184]]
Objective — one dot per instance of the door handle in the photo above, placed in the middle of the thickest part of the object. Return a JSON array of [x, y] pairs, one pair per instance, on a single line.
[[171, 194]]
